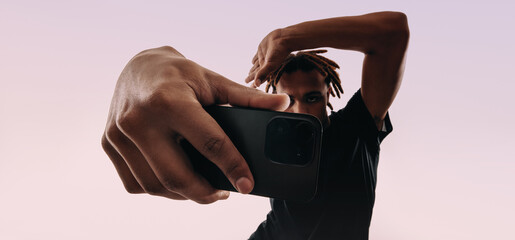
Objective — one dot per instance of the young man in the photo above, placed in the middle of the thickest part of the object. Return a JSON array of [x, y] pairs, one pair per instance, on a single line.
[[159, 97], [344, 202]]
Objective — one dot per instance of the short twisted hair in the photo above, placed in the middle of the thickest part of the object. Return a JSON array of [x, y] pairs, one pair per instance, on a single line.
[[307, 61]]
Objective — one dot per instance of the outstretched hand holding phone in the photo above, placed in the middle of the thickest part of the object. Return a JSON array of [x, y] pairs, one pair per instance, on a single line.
[[158, 101]]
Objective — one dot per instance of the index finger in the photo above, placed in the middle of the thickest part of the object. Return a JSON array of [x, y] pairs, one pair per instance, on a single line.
[[204, 133]]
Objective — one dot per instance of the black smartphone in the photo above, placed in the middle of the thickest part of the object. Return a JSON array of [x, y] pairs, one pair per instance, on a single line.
[[282, 151]]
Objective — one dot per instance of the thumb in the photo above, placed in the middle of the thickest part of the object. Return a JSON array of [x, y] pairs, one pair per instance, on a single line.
[[242, 96]]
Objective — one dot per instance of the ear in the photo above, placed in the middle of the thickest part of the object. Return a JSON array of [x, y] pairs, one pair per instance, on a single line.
[[329, 92]]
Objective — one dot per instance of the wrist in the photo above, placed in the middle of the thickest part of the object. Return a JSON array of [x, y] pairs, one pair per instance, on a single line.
[[297, 38], [289, 38]]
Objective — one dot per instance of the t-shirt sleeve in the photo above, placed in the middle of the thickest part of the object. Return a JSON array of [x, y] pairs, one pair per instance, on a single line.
[[360, 121]]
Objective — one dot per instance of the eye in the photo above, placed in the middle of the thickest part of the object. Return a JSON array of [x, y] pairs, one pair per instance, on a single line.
[[312, 99], [292, 101]]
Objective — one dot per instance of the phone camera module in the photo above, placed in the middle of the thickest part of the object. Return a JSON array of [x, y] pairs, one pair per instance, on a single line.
[[290, 141]]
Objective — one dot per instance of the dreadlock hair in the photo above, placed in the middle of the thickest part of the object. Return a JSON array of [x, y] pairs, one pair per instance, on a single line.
[[307, 61]]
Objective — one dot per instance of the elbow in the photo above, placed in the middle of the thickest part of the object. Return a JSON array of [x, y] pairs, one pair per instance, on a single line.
[[392, 33], [396, 28], [401, 25]]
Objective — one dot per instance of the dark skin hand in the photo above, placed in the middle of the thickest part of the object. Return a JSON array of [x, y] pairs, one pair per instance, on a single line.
[[382, 37], [157, 102]]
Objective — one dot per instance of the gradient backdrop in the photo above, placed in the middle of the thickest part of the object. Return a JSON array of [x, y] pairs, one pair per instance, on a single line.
[[446, 171]]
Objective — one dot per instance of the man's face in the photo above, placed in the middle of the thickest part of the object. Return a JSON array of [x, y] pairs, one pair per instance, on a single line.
[[308, 93]]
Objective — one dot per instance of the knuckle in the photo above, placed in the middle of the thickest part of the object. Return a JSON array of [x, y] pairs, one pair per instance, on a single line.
[[167, 103], [159, 100], [175, 185], [105, 143], [113, 135], [130, 120], [251, 91], [213, 145], [234, 168]]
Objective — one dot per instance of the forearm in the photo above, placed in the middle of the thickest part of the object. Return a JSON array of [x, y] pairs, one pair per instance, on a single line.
[[383, 38], [370, 33]]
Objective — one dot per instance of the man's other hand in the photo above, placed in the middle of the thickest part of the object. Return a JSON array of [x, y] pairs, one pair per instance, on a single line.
[[271, 53]]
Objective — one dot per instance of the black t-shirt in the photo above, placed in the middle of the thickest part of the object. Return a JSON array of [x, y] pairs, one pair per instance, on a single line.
[[342, 208]]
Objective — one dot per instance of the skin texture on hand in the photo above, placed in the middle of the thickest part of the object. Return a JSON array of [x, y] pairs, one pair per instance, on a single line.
[[158, 101]]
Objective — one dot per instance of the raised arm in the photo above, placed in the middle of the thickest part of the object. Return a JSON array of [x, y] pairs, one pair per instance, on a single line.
[[382, 37]]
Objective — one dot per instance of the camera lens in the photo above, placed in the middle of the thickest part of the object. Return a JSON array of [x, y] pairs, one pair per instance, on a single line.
[[290, 141], [304, 131], [279, 127]]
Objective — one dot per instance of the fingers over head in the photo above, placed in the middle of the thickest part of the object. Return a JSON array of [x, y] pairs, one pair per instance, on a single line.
[[263, 72], [250, 77], [252, 73]]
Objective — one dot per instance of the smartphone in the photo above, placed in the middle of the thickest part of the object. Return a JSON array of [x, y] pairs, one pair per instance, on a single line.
[[282, 151]]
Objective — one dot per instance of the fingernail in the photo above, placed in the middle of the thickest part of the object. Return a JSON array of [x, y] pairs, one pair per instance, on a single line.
[[243, 185]]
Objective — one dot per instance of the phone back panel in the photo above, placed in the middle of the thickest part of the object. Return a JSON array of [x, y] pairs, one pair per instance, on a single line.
[[247, 129]]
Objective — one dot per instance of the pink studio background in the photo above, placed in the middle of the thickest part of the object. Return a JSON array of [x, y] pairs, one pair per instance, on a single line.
[[446, 171]]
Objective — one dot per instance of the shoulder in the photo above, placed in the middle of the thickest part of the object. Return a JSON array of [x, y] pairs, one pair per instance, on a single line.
[[356, 118]]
